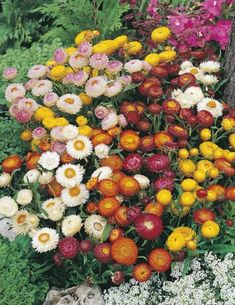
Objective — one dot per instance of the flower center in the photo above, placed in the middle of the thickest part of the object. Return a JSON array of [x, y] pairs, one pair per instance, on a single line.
[[79, 145], [70, 173], [21, 219], [44, 238], [50, 204], [74, 191], [14, 89], [171, 105], [193, 71], [98, 226], [28, 104], [211, 104], [149, 225], [94, 82], [69, 101], [106, 250]]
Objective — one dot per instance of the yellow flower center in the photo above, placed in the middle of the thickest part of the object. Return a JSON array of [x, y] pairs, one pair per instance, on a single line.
[[171, 105], [148, 225], [193, 71], [50, 204], [14, 89], [28, 104], [21, 219], [69, 101], [74, 191], [98, 226], [79, 145], [106, 250], [70, 173], [211, 104], [44, 238]]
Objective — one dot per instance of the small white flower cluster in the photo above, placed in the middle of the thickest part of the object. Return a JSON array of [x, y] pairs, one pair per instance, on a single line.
[[210, 281]]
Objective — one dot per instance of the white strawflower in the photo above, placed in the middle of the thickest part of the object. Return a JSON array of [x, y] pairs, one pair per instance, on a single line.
[[54, 209], [133, 65], [110, 121], [49, 160], [94, 226], [96, 86], [5, 179], [45, 240], [80, 147], [31, 176], [71, 225], [144, 181], [210, 66], [208, 80], [186, 65], [194, 94], [70, 175], [212, 106], [69, 103], [102, 151], [14, 91], [102, 172], [70, 132], [77, 61], [75, 196], [113, 88], [24, 197], [19, 222], [8, 206], [42, 87], [45, 177], [177, 94], [37, 71]]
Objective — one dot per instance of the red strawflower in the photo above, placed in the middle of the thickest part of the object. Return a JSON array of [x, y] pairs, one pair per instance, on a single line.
[[133, 117], [68, 247], [229, 223], [186, 79], [171, 106], [147, 143], [148, 226], [118, 277], [169, 174], [133, 162], [157, 163], [141, 272], [133, 212], [138, 77], [202, 215], [102, 252], [57, 258], [178, 131], [154, 108], [205, 118], [85, 246], [164, 183]]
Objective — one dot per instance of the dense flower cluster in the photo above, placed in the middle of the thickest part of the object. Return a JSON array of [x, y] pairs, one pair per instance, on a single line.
[[130, 160]]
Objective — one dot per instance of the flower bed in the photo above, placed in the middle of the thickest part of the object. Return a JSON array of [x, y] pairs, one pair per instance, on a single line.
[[130, 159]]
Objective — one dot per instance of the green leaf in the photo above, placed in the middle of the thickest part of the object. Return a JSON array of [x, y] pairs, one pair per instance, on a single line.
[[108, 228]]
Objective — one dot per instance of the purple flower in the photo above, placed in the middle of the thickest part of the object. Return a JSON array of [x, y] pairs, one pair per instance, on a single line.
[[60, 56]]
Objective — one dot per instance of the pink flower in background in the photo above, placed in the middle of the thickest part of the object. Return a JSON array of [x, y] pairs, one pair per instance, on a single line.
[[99, 61], [214, 7], [114, 66], [101, 112], [58, 147], [178, 23], [31, 83], [60, 56], [220, 32], [9, 73], [39, 133], [152, 8]]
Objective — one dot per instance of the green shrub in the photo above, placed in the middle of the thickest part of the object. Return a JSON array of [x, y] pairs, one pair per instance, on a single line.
[[20, 283]]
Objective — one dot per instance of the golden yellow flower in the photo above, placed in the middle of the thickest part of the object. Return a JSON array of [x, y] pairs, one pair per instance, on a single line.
[[218, 153], [121, 40], [187, 167], [81, 120], [133, 47], [194, 152], [60, 122], [187, 199], [43, 113], [188, 185], [58, 72], [207, 149], [232, 140], [160, 34], [199, 175], [187, 233], [86, 99], [49, 123], [210, 229], [70, 50], [168, 55], [175, 242], [183, 153], [51, 63], [204, 165], [153, 59], [205, 134], [228, 123], [164, 197], [85, 130], [105, 46]]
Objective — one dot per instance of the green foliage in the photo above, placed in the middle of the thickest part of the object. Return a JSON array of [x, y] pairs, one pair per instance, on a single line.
[[20, 283], [20, 25], [23, 59], [70, 17]]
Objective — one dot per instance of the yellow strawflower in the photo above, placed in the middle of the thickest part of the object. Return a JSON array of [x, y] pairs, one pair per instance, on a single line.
[[160, 34], [43, 113], [210, 229], [153, 59], [81, 120]]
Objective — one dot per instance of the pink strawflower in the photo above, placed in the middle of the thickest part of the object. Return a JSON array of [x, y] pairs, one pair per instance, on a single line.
[[85, 49], [122, 120], [31, 83], [60, 56], [101, 112], [58, 147], [68, 79], [110, 121], [50, 99], [23, 116], [9, 73], [114, 66], [125, 80], [27, 103], [78, 61], [37, 71], [80, 78], [113, 88], [39, 133], [96, 86], [14, 91], [57, 134], [99, 61]]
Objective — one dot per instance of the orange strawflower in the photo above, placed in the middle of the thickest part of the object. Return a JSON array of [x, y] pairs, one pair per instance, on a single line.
[[160, 260], [32, 160], [121, 216], [129, 140], [124, 251], [161, 138], [141, 272], [114, 162], [54, 188], [117, 176], [154, 208], [107, 206], [129, 186], [91, 207], [113, 131], [92, 183], [219, 190], [66, 158], [101, 138], [115, 234], [108, 188]]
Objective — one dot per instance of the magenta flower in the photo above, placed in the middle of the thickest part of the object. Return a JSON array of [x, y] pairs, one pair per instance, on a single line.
[[178, 23], [220, 32], [39, 133], [214, 7], [23, 116]]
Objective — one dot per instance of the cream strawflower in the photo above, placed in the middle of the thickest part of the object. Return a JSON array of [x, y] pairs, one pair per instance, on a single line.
[[45, 177], [19, 222], [69, 175], [186, 65], [8, 206], [78, 61], [144, 181], [45, 240], [5, 179], [24, 197], [75, 196], [102, 172], [110, 121], [69, 103], [96, 86], [210, 66], [49, 160], [94, 226], [54, 209], [14, 91], [177, 94], [102, 151], [113, 88], [212, 106], [80, 147], [42, 87], [31, 176], [37, 71], [193, 94], [133, 65], [208, 80], [71, 225], [70, 132]]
